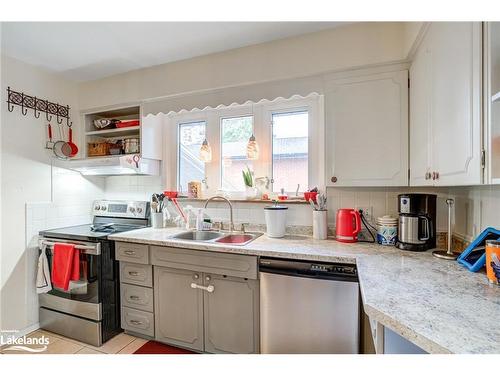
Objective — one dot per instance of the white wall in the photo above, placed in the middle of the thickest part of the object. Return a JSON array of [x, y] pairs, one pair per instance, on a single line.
[[27, 178], [344, 47], [411, 31]]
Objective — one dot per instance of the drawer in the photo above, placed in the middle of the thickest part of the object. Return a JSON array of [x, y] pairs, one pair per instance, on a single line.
[[205, 261], [137, 274], [132, 252], [138, 321], [137, 297]]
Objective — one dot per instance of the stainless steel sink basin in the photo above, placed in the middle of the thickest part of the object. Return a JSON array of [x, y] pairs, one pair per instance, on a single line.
[[218, 237], [198, 235]]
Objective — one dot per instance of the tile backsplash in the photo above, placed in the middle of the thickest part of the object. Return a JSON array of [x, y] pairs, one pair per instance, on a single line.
[[379, 201], [72, 197], [475, 208], [132, 187]]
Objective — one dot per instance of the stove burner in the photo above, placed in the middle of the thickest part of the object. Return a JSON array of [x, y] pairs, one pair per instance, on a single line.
[[113, 227]]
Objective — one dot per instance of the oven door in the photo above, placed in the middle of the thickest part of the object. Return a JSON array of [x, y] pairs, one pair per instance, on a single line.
[[82, 297]]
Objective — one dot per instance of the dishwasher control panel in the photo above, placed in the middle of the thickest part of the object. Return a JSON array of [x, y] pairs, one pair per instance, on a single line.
[[309, 269], [334, 268]]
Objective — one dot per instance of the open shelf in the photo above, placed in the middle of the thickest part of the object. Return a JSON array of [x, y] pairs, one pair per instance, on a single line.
[[111, 135], [133, 130], [496, 97]]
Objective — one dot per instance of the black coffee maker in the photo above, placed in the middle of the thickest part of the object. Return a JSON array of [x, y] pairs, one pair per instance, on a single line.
[[417, 222]]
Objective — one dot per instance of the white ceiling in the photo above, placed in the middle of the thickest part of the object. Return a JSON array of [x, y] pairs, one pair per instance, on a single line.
[[84, 51]]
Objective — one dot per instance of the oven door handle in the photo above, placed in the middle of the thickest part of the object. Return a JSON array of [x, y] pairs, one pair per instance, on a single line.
[[94, 249]]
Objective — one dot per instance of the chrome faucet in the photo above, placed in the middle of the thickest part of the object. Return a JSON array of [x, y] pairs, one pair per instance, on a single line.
[[218, 197]]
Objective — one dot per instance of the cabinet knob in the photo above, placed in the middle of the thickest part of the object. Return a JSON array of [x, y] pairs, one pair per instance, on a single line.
[[208, 278], [334, 179], [196, 276]]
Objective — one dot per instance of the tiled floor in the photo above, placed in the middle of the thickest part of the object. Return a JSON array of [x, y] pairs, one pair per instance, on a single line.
[[120, 344]]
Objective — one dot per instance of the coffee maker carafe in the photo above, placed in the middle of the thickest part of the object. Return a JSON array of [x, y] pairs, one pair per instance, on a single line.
[[417, 222]]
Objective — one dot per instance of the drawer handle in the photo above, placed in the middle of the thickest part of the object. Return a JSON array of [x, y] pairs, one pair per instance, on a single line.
[[209, 289], [135, 298], [136, 322], [133, 273], [129, 252]]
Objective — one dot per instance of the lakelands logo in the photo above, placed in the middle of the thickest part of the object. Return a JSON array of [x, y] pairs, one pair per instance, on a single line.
[[9, 342]]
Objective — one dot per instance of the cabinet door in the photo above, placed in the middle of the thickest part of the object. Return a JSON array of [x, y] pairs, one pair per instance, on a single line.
[[178, 308], [231, 315], [420, 125], [367, 130], [456, 102]]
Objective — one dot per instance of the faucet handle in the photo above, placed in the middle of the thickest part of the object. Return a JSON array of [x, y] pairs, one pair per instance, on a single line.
[[217, 225], [243, 225]]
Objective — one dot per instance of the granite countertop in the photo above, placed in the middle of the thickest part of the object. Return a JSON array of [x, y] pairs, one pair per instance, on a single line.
[[436, 304]]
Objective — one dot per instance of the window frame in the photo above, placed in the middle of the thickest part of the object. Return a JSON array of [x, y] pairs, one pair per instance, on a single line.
[[243, 112], [178, 149], [262, 127], [316, 136]]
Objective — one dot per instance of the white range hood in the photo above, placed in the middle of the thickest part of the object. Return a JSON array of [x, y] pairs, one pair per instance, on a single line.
[[112, 166]]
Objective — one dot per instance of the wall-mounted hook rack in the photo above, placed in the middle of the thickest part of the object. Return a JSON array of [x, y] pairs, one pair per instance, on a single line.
[[36, 113], [38, 105]]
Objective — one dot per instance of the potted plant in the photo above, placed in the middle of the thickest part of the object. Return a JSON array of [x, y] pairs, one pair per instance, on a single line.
[[250, 190]]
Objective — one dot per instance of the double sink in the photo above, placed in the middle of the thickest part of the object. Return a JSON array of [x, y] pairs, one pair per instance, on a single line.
[[218, 237]]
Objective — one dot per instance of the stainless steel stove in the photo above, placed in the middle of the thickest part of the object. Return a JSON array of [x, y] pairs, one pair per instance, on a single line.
[[90, 310]]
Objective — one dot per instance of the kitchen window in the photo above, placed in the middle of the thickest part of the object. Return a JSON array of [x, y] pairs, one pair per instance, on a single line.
[[190, 166], [284, 129], [235, 132], [290, 151]]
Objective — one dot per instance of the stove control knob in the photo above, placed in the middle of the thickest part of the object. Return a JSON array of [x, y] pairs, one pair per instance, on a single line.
[[97, 207], [139, 210], [104, 208], [131, 209]]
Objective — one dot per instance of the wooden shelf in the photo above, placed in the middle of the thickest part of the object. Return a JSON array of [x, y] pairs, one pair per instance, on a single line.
[[496, 97], [133, 130]]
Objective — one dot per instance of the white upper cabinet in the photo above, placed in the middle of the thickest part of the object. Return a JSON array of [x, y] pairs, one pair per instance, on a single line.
[[420, 131], [445, 106], [367, 130], [492, 100]]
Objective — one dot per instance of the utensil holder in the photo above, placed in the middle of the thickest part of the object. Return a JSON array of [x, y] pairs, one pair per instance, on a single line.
[[320, 225], [157, 219]]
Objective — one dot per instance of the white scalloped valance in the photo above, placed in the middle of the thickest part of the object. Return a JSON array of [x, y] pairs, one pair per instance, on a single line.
[[232, 96]]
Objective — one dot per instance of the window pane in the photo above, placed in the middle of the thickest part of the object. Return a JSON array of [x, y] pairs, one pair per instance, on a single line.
[[235, 132], [290, 151], [191, 168]]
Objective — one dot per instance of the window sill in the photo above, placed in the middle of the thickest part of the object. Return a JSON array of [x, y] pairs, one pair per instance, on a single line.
[[287, 201]]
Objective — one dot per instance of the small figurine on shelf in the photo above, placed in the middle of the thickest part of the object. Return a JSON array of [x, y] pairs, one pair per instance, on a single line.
[[194, 189]]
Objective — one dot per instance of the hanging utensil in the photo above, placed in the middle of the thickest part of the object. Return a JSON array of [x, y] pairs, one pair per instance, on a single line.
[[61, 149], [74, 147]]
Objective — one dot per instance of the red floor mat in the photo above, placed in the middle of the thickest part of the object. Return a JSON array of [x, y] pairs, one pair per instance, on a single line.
[[153, 347]]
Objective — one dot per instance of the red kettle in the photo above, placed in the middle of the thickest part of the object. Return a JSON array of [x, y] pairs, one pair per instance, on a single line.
[[348, 225]]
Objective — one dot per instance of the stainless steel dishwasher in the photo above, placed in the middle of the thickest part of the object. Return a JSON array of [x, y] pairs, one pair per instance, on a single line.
[[308, 307]]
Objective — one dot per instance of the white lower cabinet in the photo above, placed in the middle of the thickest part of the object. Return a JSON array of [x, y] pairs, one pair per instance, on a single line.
[[206, 312], [386, 341], [445, 106], [367, 130]]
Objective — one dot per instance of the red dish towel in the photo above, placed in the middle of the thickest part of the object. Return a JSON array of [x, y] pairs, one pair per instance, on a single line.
[[65, 265]]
